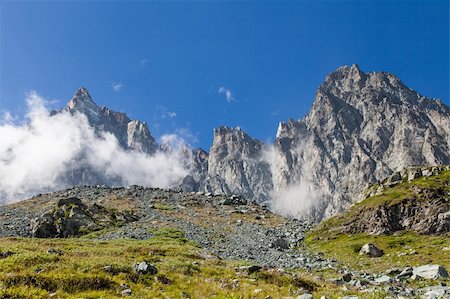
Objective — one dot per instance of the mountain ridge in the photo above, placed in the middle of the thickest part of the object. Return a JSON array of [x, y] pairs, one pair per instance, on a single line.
[[361, 128]]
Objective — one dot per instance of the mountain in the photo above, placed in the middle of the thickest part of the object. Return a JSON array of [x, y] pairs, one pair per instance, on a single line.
[[236, 165], [131, 134], [361, 128]]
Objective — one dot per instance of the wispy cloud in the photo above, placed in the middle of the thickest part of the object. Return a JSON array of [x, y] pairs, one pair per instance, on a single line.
[[165, 113], [275, 112], [228, 94], [143, 62], [168, 114], [117, 86]]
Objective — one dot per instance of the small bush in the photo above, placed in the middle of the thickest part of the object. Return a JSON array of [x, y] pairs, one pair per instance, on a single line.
[[356, 247]]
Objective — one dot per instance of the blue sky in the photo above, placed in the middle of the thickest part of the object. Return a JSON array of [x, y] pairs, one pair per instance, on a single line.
[[188, 67]]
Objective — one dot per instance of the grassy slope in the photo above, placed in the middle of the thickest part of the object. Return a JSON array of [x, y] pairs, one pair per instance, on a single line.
[[78, 273], [419, 249]]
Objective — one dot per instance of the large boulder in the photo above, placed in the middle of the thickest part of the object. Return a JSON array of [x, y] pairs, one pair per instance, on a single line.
[[430, 271], [143, 268], [370, 250], [71, 217]]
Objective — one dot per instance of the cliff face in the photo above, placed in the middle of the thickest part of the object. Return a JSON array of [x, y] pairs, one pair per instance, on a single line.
[[236, 165], [361, 128], [415, 199]]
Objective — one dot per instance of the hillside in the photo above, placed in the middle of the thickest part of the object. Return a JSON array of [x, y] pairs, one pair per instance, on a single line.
[[406, 216]]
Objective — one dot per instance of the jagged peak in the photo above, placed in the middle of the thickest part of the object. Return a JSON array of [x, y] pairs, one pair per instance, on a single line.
[[230, 134], [222, 130], [82, 91], [346, 72], [82, 97]]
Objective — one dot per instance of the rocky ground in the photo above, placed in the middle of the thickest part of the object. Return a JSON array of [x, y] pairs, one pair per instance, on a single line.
[[226, 226]]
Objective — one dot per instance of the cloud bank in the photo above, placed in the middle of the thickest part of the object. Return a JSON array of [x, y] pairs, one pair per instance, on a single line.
[[40, 154]]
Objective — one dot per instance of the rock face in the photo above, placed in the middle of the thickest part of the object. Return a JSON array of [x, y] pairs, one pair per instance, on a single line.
[[361, 128], [396, 204], [236, 165], [72, 218]]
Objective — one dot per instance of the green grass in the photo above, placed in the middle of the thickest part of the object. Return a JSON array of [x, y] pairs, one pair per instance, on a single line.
[[79, 272], [405, 249]]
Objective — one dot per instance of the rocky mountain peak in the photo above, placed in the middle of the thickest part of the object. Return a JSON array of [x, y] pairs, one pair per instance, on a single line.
[[82, 102], [139, 137], [233, 141], [81, 99]]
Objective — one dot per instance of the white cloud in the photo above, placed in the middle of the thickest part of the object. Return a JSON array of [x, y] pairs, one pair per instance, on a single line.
[[117, 86], [298, 199], [165, 113], [41, 154], [228, 94]]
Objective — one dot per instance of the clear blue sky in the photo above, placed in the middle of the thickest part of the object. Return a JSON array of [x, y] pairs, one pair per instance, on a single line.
[[179, 57]]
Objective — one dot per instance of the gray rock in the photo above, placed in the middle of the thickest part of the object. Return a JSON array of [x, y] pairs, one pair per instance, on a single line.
[[5, 254], [55, 251], [434, 292], [126, 292], [347, 277], [143, 268], [71, 217], [305, 296], [280, 244], [405, 274], [370, 250], [430, 271], [234, 200], [249, 269], [383, 279]]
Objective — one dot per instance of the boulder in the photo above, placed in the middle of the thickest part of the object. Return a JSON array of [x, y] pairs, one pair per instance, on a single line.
[[143, 268], [434, 292], [347, 277], [127, 293], [383, 279], [280, 244], [414, 174], [430, 271], [234, 200], [71, 217], [5, 254], [249, 269], [405, 274], [371, 250]]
